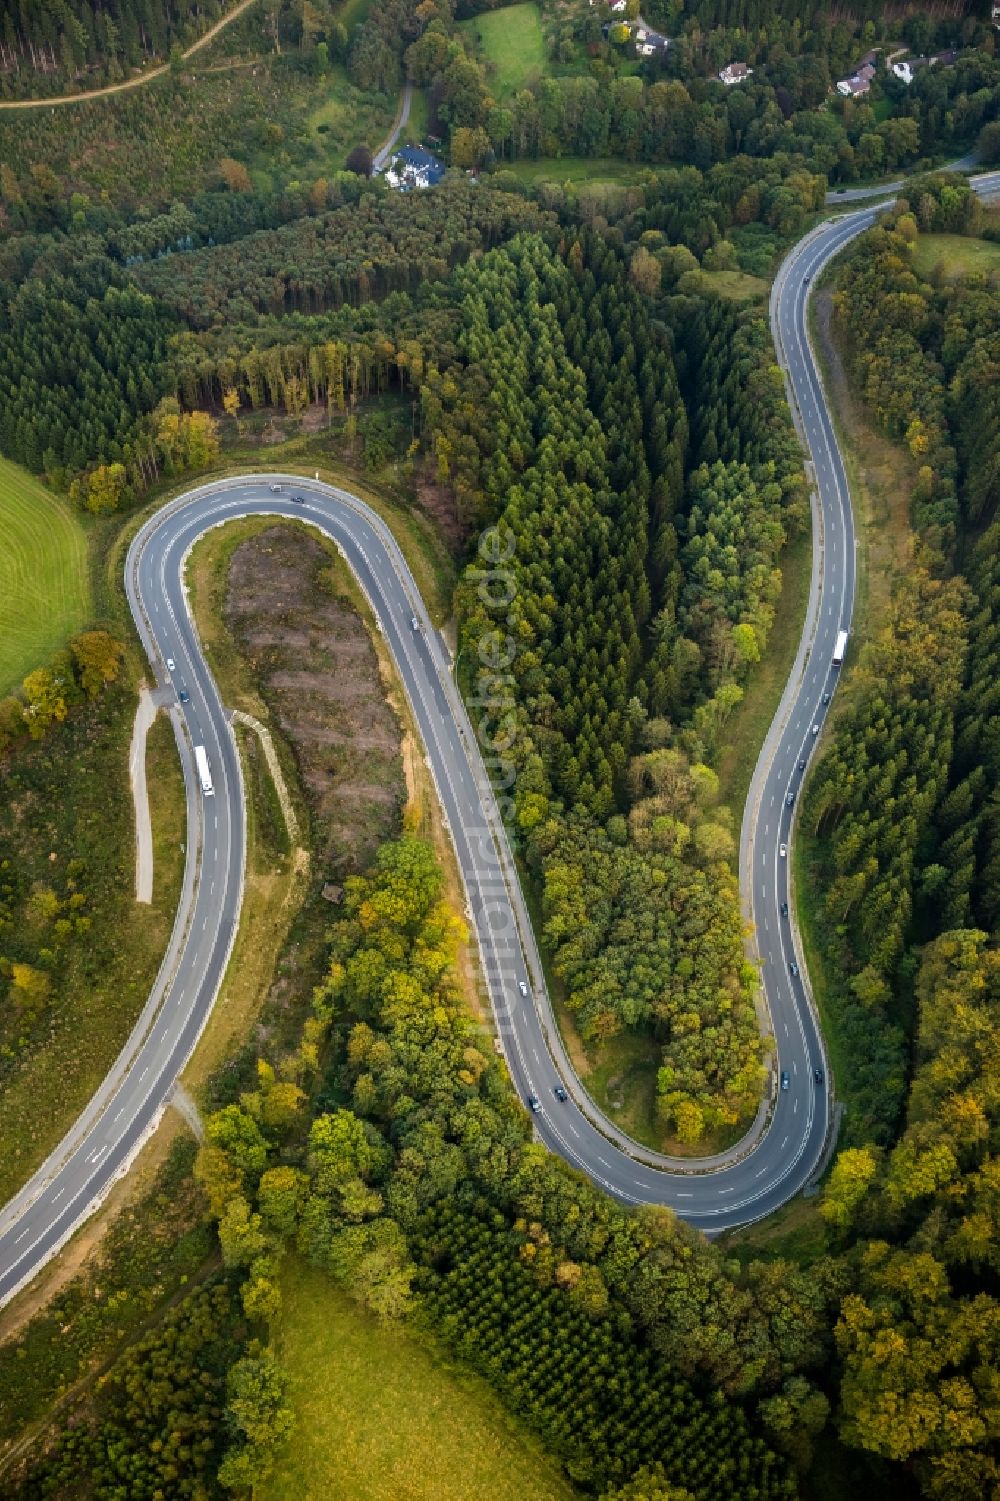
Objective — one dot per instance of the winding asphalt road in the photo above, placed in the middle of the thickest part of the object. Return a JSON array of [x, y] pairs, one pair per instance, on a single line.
[[980, 184], [783, 1149]]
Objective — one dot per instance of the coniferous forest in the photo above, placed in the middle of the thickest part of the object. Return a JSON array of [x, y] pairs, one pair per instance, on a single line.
[[42, 44]]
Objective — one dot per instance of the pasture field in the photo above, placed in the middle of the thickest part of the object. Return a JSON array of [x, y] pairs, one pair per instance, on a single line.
[[737, 285], [379, 1413], [44, 586], [512, 43], [590, 170], [960, 255]]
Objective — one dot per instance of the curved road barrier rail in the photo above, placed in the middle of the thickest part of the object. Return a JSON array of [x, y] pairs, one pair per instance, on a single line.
[[783, 1149]]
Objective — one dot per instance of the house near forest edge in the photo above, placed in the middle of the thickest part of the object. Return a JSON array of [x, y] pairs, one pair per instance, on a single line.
[[413, 167]]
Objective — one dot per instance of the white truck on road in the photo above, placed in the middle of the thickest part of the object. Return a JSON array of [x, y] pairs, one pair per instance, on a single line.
[[205, 775], [840, 648]]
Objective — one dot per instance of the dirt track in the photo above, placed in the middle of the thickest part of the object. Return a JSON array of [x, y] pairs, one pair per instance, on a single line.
[[139, 79]]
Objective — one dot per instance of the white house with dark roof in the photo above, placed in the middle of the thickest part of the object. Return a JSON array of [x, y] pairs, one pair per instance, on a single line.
[[647, 42], [413, 167], [735, 73], [859, 83], [908, 69]]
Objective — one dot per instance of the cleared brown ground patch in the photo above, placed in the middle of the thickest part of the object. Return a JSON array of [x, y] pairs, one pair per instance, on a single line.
[[438, 502], [307, 648]]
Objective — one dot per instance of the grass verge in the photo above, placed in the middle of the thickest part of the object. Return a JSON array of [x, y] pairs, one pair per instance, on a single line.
[[620, 1077], [380, 1414], [795, 1233], [66, 827], [881, 478], [44, 587], [749, 724], [165, 788], [415, 128]]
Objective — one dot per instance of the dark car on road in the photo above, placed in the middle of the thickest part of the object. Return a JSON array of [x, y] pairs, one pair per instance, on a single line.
[[785, 1081], [534, 1104], [184, 696], [561, 1093], [818, 1075], [784, 909], [793, 968]]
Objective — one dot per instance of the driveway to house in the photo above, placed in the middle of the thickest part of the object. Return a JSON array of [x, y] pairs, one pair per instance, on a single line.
[[383, 155]]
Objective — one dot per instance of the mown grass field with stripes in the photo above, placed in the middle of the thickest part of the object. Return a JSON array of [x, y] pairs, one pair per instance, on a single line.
[[44, 585]]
